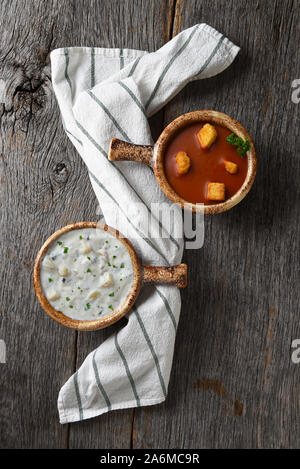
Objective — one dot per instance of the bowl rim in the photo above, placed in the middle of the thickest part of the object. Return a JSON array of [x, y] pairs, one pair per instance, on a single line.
[[184, 120], [109, 319]]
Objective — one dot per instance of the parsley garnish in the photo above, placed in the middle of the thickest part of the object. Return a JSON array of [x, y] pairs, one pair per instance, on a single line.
[[50, 280], [70, 306], [66, 250], [68, 299], [59, 242], [87, 306], [89, 270], [80, 237], [111, 307], [112, 294], [122, 266], [242, 145]]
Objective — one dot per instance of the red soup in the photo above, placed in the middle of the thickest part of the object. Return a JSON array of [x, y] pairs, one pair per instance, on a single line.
[[206, 170]]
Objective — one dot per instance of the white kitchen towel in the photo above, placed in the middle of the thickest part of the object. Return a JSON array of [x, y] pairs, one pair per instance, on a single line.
[[104, 93]]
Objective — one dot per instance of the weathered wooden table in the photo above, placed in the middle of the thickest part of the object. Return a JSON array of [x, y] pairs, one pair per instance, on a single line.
[[233, 383]]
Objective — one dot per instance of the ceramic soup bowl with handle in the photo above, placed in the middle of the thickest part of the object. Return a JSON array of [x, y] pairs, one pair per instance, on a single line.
[[141, 275], [153, 156]]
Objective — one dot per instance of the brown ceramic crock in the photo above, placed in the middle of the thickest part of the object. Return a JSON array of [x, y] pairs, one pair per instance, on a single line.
[[153, 156], [142, 274]]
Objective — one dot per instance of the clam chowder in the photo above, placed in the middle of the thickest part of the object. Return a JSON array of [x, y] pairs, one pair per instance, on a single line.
[[86, 273]]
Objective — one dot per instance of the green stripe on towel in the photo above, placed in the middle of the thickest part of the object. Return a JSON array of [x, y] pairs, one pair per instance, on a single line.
[[166, 303], [93, 141], [66, 52], [135, 99], [142, 236], [121, 59], [92, 67], [167, 67], [99, 384], [209, 59], [108, 113], [129, 375], [134, 66], [89, 137], [75, 377], [75, 138], [151, 350]]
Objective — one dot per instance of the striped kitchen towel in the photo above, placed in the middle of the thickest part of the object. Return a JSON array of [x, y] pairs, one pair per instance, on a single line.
[[104, 93]]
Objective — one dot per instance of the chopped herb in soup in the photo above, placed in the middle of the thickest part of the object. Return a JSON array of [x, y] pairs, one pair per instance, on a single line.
[[81, 274], [206, 163]]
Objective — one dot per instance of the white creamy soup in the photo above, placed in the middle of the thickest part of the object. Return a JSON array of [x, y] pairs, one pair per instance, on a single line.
[[86, 273]]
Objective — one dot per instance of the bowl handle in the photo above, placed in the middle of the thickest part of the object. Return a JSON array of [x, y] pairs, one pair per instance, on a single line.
[[119, 150], [172, 275]]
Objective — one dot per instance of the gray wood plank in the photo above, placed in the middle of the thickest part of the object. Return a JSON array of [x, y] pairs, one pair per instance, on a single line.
[[240, 388], [44, 185], [40, 355], [240, 312], [140, 25]]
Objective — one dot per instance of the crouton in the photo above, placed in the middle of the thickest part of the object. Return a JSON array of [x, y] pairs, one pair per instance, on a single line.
[[206, 136], [216, 191], [182, 162], [231, 167]]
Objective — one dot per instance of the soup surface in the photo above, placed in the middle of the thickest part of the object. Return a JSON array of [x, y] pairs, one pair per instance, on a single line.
[[86, 273], [206, 166]]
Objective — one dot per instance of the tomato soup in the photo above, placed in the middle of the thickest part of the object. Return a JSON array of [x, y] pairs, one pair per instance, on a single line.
[[206, 166]]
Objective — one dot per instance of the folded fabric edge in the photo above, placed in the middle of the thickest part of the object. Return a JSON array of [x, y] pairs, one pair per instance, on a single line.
[[229, 55], [224, 47], [132, 53], [228, 49], [110, 53], [73, 416], [216, 35]]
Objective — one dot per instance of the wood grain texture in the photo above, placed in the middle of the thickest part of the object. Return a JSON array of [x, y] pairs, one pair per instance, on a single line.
[[44, 185], [240, 388], [241, 309]]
